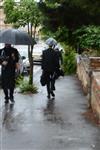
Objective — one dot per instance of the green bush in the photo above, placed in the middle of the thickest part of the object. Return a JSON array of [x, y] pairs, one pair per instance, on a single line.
[[88, 37], [62, 34], [45, 34], [69, 64], [24, 86], [19, 79]]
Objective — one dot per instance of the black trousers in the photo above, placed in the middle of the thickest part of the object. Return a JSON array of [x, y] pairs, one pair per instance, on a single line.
[[50, 82], [8, 85], [8, 93]]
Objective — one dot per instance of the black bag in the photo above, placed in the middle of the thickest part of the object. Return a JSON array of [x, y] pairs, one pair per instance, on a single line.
[[59, 72], [43, 79]]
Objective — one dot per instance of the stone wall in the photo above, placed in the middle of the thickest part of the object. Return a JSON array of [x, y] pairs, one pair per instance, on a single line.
[[88, 71], [95, 93], [82, 72]]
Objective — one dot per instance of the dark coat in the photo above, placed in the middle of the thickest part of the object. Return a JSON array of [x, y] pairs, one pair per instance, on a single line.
[[50, 61], [60, 58], [11, 55]]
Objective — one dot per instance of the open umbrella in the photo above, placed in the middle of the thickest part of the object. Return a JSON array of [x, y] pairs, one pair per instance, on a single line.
[[15, 37], [51, 42]]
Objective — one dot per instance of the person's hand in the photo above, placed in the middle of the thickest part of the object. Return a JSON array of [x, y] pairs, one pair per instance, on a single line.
[[13, 56], [4, 63], [17, 66]]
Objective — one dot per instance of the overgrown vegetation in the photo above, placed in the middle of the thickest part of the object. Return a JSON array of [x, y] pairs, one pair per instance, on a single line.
[[19, 79], [69, 60], [82, 19], [24, 86], [88, 37], [76, 12], [62, 34]]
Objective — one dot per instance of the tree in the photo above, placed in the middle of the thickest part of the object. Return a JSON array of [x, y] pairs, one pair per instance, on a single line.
[[23, 13], [88, 37], [74, 13], [69, 14]]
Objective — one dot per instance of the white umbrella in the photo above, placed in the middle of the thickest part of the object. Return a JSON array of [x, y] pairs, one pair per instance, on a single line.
[[15, 37], [59, 47], [51, 42]]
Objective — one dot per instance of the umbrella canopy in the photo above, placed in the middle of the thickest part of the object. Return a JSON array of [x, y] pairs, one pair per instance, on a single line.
[[15, 37], [59, 47], [51, 42]]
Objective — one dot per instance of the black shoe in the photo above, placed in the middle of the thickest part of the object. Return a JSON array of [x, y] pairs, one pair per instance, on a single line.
[[53, 95], [48, 96], [6, 101], [12, 101], [53, 88]]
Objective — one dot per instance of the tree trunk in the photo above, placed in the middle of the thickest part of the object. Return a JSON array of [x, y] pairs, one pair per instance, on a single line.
[[31, 60], [31, 67], [30, 53]]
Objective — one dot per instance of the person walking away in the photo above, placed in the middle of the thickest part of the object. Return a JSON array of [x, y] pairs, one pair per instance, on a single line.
[[59, 59], [9, 58], [59, 55], [49, 66]]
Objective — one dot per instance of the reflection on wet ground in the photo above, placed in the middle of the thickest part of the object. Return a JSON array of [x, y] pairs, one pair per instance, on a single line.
[[52, 113], [8, 116], [96, 145], [36, 123]]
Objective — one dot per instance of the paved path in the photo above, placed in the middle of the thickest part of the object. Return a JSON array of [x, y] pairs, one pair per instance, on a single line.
[[35, 123]]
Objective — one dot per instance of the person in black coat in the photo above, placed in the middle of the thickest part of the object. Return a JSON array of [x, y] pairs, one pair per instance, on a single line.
[[9, 58], [59, 58], [49, 66], [59, 55]]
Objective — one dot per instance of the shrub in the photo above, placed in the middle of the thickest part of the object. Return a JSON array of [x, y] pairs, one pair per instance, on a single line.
[[88, 37], [25, 87], [69, 64], [19, 79], [62, 34]]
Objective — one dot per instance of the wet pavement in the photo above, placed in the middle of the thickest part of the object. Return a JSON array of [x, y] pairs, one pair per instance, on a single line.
[[36, 123]]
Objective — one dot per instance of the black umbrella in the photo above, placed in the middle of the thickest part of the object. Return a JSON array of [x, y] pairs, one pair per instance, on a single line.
[[15, 37]]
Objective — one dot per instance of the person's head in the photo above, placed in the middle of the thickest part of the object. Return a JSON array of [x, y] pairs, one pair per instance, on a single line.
[[7, 45], [51, 45]]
